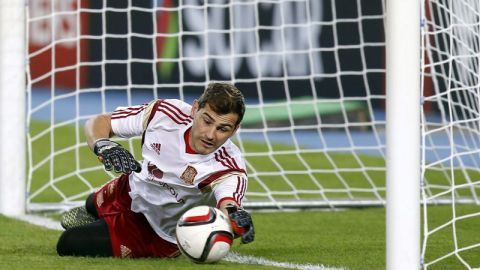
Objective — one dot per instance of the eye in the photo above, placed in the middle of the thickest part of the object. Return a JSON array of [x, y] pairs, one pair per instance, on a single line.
[[224, 129], [207, 121]]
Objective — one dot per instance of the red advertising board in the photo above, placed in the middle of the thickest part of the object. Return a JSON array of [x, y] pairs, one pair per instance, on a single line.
[[56, 47]]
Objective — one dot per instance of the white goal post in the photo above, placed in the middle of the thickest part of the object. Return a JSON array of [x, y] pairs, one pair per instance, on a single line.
[[351, 103], [12, 108], [403, 133]]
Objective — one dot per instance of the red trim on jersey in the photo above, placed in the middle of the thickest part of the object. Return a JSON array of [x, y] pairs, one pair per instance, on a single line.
[[221, 161], [228, 160], [188, 149], [238, 194], [225, 159], [173, 112], [154, 110], [224, 199], [215, 176], [168, 113], [124, 113], [176, 109], [241, 187], [228, 156]]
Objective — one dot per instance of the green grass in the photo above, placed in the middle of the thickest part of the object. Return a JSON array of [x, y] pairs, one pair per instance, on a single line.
[[353, 238], [334, 238]]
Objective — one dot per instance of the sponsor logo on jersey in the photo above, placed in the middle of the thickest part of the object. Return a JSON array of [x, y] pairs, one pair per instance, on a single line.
[[154, 172], [154, 176], [172, 191], [189, 175], [156, 147]]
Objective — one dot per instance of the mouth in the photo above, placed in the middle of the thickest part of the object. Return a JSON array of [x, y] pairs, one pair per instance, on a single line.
[[207, 144]]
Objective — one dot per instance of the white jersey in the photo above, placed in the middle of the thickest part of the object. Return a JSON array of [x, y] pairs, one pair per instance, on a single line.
[[173, 180]]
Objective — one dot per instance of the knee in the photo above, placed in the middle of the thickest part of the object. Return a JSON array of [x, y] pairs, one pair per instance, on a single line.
[[90, 206], [90, 240], [64, 244]]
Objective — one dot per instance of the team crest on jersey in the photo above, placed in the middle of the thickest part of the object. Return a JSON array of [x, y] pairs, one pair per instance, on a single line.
[[156, 147], [189, 175]]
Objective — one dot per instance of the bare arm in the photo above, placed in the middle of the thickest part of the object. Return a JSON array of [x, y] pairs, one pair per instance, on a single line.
[[98, 130], [98, 127]]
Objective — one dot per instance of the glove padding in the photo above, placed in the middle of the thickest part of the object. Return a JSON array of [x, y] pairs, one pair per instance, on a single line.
[[114, 156], [242, 224]]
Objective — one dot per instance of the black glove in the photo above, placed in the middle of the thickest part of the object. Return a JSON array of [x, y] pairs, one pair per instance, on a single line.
[[242, 224], [113, 155]]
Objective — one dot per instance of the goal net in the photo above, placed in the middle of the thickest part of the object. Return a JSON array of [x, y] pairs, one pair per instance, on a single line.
[[451, 131], [311, 72]]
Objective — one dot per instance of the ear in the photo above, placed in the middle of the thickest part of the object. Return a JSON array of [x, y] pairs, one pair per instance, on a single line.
[[194, 108]]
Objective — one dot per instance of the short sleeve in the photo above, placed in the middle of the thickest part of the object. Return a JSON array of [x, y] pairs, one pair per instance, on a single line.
[[130, 121], [230, 186]]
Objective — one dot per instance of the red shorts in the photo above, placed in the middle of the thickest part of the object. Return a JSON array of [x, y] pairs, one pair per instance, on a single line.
[[130, 233]]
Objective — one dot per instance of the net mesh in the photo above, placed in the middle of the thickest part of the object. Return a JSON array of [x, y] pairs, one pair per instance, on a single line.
[[313, 76], [312, 73], [451, 137]]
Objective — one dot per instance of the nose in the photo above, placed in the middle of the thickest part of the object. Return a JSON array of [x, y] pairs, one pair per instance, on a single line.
[[211, 133]]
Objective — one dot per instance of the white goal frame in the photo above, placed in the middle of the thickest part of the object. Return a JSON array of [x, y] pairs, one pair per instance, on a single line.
[[403, 133], [12, 108]]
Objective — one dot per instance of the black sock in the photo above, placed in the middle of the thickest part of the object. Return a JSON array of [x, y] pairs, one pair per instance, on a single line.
[[90, 240]]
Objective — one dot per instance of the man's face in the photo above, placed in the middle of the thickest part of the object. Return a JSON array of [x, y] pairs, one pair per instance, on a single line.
[[209, 129]]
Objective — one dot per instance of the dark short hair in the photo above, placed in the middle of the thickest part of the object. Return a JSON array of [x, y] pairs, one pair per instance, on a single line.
[[223, 98]]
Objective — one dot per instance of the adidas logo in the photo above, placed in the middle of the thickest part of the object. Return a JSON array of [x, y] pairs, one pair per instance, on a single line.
[[126, 252], [156, 147]]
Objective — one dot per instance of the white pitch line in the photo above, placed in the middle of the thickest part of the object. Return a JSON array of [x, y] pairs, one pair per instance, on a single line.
[[41, 221], [231, 257], [247, 259]]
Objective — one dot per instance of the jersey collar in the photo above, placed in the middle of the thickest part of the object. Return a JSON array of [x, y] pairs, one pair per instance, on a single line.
[[188, 149]]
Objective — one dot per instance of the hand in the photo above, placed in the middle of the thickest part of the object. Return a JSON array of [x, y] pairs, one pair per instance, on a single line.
[[113, 155], [242, 224]]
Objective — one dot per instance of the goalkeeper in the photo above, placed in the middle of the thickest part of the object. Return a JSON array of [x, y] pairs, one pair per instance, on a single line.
[[188, 160]]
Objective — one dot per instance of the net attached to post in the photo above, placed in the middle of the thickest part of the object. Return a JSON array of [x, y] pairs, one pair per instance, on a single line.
[[451, 141]]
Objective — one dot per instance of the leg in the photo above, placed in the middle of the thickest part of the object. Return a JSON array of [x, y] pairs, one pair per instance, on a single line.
[[92, 239], [90, 206], [76, 217], [81, 215], [130, 233]]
